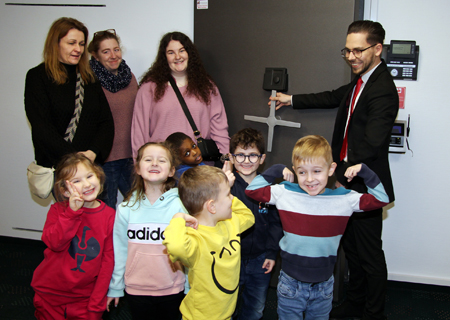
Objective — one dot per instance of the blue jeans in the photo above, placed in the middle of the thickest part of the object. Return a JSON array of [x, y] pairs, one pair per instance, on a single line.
[[118, 177], [253, 285], [296, 297]]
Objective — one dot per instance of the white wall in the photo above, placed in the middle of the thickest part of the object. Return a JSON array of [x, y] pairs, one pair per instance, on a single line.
[[23, 30], [415, 235]]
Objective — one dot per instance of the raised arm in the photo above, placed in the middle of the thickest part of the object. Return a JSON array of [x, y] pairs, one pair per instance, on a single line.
[[180, 244], [376, 197], [245, 215], [260, 188], [61, 227]]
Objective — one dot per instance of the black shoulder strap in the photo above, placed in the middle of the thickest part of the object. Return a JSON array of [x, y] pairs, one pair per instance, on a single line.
[[184, 106]]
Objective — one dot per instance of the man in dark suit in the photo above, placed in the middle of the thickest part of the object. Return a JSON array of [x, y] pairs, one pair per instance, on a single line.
[[361, 135]]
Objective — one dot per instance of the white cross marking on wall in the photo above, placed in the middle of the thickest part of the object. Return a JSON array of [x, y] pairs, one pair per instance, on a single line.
[[272, 122]]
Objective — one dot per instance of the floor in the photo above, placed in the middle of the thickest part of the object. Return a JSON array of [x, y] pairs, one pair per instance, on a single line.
[[19, 258]]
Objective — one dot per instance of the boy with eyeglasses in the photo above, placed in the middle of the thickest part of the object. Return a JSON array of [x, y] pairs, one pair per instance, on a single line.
[[259, 244]]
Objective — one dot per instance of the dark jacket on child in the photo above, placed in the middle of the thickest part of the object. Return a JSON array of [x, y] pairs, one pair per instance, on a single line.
[[265, 235]]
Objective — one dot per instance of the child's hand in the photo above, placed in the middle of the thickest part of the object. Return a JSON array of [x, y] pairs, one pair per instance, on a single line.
[[190, 220], [109, 301], [228, 170], [175, 266], [91, 155], [268, 265], [288, 175], [352, 172], [76, 201]]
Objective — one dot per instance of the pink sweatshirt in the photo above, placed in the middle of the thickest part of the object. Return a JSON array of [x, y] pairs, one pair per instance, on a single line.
[[155, 121]]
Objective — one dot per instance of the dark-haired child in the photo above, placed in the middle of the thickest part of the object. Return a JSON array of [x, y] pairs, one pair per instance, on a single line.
[[259, 244], [186, 152]]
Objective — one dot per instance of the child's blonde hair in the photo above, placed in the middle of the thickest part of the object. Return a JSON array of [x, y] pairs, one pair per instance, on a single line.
[[67, 168], [198, 185], [311, 148], [138, 185]]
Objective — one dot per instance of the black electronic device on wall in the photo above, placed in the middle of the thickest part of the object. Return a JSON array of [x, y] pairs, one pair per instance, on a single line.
[[399, 135], [402, 59], [276, 79]]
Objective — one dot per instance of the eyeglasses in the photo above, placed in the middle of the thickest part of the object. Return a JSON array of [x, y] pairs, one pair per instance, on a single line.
[[345, 53], [100, 33], [253, 158]]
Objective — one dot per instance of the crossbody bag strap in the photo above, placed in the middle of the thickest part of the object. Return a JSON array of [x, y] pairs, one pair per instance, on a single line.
[[184, 107]]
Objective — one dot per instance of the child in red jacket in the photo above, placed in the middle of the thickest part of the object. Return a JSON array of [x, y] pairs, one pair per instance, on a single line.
[[73, 279]]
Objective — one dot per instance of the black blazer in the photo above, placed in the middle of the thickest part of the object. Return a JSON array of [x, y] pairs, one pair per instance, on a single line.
[[369, 129]]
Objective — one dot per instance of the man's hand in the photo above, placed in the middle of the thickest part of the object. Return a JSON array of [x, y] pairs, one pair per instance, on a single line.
[[281, 100]]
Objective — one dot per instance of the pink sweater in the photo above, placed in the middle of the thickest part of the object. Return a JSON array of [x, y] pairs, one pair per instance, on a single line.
[[121, 104], [155, 121]]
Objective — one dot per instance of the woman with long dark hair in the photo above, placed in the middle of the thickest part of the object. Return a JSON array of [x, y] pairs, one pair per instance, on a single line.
[[157, 111]]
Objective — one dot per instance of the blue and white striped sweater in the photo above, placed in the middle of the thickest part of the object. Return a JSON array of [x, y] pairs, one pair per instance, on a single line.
[[313, 225]]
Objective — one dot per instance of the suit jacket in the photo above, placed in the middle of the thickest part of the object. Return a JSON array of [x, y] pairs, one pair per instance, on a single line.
[[369, 129]]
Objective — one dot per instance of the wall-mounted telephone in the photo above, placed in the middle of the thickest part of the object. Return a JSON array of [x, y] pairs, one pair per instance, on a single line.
[[402, 59]]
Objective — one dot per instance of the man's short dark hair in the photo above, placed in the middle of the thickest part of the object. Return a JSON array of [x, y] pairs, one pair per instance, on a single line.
[[374, 30]]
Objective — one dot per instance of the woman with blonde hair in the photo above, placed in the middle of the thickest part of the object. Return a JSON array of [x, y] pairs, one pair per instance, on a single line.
[[64, 103]]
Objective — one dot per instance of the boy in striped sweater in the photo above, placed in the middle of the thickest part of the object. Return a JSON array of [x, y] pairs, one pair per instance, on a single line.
[[313, 219]]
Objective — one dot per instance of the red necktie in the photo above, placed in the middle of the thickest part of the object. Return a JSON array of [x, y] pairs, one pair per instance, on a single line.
[[352, 105]]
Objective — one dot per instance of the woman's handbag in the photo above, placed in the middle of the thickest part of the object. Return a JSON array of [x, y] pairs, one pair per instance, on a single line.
[[40, 180], [208, 147]]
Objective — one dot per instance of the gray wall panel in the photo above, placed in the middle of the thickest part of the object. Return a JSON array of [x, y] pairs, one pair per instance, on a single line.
[[237, 40]]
